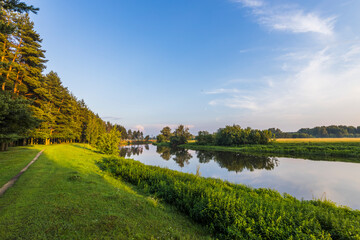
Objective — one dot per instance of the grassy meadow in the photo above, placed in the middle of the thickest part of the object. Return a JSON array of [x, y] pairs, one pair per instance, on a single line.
[[64, 195]]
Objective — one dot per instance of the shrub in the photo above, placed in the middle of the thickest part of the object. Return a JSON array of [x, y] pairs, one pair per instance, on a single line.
[[108, 143], [160, 138], [234, 211]]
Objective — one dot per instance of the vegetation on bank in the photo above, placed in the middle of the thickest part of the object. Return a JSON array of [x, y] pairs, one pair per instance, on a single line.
[[332, 131], [181, 135], [234, 136], [232, 211], [328, 150], [318, 140], [64, 195]]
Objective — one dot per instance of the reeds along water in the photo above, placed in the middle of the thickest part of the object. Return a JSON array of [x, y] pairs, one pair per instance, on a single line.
[[234, 211]]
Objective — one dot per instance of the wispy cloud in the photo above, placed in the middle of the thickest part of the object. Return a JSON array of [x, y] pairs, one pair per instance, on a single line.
[[236, 102], [222, 90], [251, 3], [289, 18], [324, 90]]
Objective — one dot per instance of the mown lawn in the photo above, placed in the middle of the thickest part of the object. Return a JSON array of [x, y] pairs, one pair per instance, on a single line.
[[64, 195]]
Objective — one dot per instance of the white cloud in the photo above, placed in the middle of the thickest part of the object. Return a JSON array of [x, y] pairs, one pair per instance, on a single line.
[[299, 22], [236, 102], [251, 3], [222, 90], [291, 19], [140, 127], [319, 89]]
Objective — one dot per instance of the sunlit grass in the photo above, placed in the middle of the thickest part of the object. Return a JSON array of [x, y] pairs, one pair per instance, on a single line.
[[64, 195]]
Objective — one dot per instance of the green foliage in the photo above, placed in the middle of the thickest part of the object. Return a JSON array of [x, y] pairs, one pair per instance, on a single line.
[[180, 136], [16, 118], [63, 117], [232, 211], [205, 138], [7, 6], [234, 136], [160, 138], [108, 143], [166, 132], [332, 131]]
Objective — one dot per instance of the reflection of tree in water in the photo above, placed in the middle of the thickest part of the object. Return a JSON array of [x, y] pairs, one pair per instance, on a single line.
[[129, 151], [230, 160], [180, 156], [165, 152], [205, 156], [238, 161]]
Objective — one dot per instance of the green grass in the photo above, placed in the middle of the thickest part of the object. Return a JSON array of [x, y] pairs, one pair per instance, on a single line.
[[332, 151], [235, 211], [11, 162], [162, 144], [64, 195]]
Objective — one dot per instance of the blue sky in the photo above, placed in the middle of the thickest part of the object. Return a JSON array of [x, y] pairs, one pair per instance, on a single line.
[[207, 63]]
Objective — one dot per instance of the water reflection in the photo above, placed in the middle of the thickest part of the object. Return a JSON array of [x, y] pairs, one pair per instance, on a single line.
[[236, 162], [128, 151], [304, 179]]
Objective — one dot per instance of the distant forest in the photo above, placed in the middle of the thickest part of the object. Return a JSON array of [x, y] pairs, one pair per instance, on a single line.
[[36, 107], [332, 131]]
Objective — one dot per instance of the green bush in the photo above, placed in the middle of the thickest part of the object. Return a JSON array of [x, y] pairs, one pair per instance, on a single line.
[[205, 138], [180, 136], [160, 138], [233, 211], [108, 143], [234, 136]]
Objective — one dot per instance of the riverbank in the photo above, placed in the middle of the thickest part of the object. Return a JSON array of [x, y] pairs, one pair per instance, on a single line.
[[333, 151], [65, 195], [236, 211]]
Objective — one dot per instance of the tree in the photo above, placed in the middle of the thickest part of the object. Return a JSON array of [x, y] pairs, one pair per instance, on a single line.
[[205, 138], [180, 136], [160, 138], [109, 142], [166, 132], [16, 119], [7, 6]]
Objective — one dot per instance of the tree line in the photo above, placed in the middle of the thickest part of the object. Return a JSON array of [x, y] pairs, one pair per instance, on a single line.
[[181, 135], [333, 131], [36, 108], [229, 136], [234, 136]]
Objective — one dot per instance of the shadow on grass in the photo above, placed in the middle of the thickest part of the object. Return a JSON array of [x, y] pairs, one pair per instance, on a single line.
[[86, 147]]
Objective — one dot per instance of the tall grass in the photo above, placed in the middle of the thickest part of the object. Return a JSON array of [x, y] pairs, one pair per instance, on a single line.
[[233, 211]]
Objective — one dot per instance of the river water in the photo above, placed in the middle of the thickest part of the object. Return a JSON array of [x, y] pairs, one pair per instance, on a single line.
[[301, 178]]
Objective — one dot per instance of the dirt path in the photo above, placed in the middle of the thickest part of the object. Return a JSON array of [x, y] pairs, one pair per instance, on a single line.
[[14, 179]]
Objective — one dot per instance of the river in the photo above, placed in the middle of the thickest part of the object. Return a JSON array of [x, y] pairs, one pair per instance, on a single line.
[[301, 178]]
